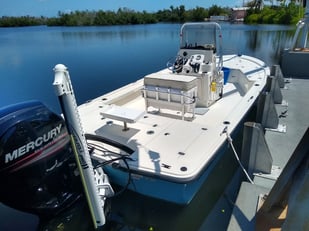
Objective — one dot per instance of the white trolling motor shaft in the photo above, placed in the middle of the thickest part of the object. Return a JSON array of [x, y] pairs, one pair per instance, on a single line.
[[64, 91]]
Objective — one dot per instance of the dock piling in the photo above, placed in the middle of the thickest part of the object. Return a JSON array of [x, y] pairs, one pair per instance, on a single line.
[[266, 110], [275, 70], [256, 156], [267, 114], [272, 86]]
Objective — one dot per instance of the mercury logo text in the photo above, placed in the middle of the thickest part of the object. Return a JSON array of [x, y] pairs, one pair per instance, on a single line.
[[33, 145]]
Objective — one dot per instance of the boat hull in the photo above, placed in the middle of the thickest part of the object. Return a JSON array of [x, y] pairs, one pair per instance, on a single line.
[[177, 191], [181, 193], [168, 130], [154, 181], [171, 191]]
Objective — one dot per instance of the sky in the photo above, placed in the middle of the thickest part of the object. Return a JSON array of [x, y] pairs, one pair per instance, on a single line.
[[50, 8]]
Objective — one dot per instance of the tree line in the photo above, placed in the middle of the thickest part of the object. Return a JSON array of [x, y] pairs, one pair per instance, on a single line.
[[124, 16], [282, 14]]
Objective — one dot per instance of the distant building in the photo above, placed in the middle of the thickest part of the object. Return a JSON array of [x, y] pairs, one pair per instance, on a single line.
[[219, 18], [239, 14]]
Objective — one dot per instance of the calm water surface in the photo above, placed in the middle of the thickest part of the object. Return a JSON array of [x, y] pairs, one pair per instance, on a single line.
[[101, 59]]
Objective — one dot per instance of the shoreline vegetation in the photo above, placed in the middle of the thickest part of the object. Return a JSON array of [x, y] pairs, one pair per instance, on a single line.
[[282, 14]]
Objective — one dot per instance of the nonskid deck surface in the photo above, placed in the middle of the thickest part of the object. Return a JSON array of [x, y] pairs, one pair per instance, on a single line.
[[163, 143]]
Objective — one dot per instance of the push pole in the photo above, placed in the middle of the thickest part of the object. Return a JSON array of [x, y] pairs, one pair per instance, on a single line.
[[64, 91]]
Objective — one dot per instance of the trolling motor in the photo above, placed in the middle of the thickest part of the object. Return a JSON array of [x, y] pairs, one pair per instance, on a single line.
[[38, 172], [95, 182]]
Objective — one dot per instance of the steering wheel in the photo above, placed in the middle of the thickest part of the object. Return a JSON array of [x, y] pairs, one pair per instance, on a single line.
[[176, 64]]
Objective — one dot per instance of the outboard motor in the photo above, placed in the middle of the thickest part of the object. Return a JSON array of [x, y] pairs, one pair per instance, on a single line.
[[38, 173]]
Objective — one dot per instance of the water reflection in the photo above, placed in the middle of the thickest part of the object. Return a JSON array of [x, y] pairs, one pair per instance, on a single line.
[[120, 33], [270, 42], [253, 41], [262, 41]]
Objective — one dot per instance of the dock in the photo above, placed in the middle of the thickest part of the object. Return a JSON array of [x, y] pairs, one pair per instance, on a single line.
[[278, 199]]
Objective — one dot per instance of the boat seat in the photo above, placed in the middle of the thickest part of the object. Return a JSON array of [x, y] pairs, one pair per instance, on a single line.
[[170, 80], [170, 91]]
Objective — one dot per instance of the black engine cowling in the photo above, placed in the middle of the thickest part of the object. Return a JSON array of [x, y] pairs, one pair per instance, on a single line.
[[38, 172]]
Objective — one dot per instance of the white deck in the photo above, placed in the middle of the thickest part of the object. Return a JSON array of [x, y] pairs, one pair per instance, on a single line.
[[164, 144]]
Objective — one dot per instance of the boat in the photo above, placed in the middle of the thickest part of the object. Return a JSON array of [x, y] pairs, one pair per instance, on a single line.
[[162, 135]]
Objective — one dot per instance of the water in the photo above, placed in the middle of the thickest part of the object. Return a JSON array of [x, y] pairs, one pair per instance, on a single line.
[[101, 59]]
